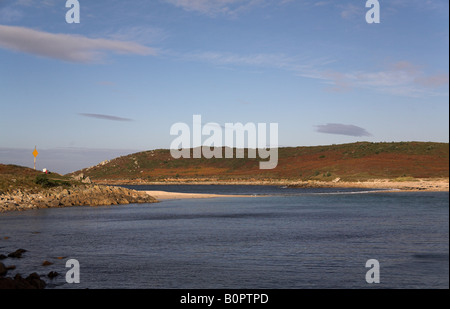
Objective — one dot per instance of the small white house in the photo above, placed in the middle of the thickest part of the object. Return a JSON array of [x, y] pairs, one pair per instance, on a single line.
[[45, 170]]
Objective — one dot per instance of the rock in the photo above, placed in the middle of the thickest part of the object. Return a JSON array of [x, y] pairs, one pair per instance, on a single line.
[[86, 180], [33, 281], [17, 254], [52, 274], [2, 256], [79, 195], [46, 263], [3, 269], [78, 177]]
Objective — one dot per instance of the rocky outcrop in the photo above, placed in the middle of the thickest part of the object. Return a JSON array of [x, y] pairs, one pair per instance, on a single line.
[[3, 269], [81, 195], [33, 281], [17, 254], [81, 177]]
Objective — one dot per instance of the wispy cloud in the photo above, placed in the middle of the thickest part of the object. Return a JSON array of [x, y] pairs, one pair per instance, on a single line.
[[9, 14], [141, 34], [105, 117], [299, 65], [433, 81], [340, 82], [422, 5], [400, 78], [66, 47], [342, 129], [13, 11], [217, 7], [350, 10]]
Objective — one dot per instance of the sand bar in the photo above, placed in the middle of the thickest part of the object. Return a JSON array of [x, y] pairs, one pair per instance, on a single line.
[[163, 195], [433, 185]]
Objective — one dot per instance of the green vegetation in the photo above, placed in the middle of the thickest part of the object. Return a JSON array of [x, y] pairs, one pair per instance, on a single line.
[[14, 177], [350, 162], [44, 181]]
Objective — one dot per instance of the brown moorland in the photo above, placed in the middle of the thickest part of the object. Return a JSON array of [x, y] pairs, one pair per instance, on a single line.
[[347, 163]]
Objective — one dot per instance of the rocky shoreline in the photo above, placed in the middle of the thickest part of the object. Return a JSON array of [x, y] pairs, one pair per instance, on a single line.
[[80, 195], [32, 281], [105, 195]]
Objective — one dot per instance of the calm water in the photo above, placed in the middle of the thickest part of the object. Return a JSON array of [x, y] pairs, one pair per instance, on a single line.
[[295, 239]]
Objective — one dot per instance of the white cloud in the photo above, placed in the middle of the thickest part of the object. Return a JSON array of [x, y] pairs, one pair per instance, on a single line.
[[72, 48]]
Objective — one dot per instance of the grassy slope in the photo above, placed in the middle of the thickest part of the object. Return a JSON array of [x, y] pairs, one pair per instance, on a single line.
[[351, 162], [13, 177]]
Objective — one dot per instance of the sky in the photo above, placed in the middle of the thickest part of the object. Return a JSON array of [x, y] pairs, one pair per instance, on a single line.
[[116, 82]]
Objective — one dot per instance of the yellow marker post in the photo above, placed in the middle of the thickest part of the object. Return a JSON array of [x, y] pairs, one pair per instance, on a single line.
[[35, 154]]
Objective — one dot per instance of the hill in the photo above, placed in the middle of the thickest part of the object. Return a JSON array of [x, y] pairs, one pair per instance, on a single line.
[[22, 188], [15, 176], [348, 162]]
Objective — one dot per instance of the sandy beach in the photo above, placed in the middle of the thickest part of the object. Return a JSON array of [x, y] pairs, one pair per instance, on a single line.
[[431, 185], [164, 195], [424, 184], [387, 185]]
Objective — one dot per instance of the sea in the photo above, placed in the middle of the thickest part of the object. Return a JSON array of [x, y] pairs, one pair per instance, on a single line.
[[272, 238]]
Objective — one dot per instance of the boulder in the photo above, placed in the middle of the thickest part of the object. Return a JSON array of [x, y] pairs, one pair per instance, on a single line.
[[17, 254], [78, 177], [86, 180], [52, 274], [46, 263], [3, 269], [33, 281]]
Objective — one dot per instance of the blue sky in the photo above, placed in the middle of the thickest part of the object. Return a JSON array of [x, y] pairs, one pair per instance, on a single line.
[[117, 81]]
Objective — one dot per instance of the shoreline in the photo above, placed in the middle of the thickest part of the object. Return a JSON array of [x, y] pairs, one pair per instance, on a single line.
[[99, 194], [416, 185], [82, 195], [165, 195]]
